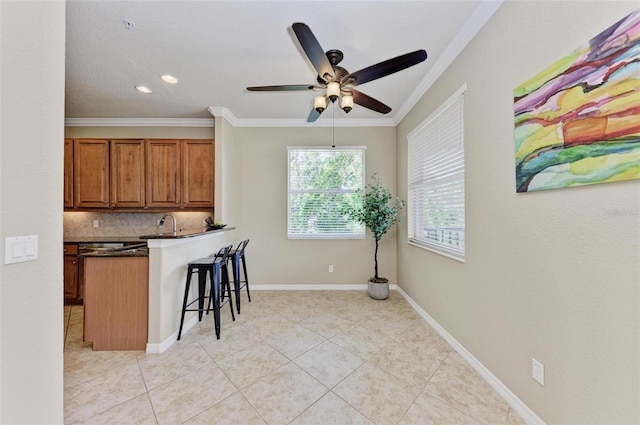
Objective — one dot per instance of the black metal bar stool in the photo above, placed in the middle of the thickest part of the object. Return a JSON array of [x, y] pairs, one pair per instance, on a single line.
[[219, 278], [237, 256]]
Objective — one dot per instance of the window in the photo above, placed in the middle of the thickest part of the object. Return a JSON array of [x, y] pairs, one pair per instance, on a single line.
[[436, 180], [322, 181]]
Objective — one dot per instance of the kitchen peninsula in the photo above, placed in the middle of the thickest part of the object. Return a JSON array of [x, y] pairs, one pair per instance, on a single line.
[[116, 299], [169, 255], [146, 281]]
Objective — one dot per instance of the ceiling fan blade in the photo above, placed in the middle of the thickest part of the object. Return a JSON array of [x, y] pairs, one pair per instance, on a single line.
[[313, 115], [385, 68], [313, 50], [290, 87], [369, 102]]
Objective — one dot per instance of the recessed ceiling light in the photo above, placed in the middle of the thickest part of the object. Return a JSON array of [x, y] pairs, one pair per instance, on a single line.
[[169, 79], [143, 89]]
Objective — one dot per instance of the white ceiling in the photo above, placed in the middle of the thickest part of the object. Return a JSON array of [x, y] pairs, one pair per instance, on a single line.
[[218, 48]]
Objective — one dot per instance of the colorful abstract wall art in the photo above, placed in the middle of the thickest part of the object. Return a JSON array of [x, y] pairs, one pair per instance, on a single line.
[[578, 121]]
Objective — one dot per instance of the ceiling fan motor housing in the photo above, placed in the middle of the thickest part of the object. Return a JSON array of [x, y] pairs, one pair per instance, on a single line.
[[339, 73]]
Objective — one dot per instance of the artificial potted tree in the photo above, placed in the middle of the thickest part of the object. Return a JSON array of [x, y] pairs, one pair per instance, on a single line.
[[375, 210]]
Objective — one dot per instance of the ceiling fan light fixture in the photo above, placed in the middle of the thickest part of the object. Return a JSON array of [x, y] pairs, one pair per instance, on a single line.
[[320, 103], [333, 90], [346, 102]]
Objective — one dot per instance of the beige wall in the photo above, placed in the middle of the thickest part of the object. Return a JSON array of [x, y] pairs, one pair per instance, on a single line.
[[139, 132], [260, 204], [32, 37], [554, 274], [228, 177]]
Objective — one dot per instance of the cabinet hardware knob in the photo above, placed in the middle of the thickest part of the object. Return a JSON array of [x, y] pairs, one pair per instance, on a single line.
[[75, 262]]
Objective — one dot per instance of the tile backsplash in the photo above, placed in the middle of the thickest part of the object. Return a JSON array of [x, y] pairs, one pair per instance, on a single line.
[[80, 223]]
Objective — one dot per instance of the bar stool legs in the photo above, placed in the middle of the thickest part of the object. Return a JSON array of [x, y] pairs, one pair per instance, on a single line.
[[219, 278], [220, 275], [190, 271], [236, 257]]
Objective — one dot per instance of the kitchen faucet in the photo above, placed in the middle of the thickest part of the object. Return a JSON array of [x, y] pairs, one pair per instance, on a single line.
[[175, 223]]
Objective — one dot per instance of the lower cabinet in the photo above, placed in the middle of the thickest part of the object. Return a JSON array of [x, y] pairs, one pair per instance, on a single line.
[[71, 274], [116, 302]]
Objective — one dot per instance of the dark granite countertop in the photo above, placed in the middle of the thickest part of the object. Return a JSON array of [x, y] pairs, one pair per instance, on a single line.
[[125, 253], [136, 238], [184, 234], [139, 250], [102, 239]]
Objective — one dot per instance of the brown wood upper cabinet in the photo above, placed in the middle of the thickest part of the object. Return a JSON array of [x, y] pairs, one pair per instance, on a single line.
[[197, 173], [91, 173], [109, 174], [127, 174], [137, 175], [180, 173], [163, 173]]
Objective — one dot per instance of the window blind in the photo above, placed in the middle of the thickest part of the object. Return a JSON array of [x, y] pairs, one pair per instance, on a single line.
[[322, 182], [436, 206]]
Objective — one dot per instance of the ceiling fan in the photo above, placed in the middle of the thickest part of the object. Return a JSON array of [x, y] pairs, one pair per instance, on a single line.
[[337, 81]]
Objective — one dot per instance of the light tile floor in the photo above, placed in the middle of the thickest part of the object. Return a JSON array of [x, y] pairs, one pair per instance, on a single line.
[[291, 357]]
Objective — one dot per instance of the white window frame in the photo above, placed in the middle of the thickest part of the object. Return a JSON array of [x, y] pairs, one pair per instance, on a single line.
[[436, 162], [290, 235]]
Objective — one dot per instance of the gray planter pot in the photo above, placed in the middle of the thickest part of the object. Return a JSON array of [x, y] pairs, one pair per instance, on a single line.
[[378, 291]]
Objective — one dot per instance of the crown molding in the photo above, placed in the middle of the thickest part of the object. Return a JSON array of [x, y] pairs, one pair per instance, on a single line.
[[139, 122], [480, 16], [220, 111]]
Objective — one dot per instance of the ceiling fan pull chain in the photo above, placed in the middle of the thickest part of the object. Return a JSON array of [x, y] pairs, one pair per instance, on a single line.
[[333, 124]]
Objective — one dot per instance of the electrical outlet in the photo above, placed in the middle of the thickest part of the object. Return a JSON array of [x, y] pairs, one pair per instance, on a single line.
[[96, 223], [537, 371], [331, 268]]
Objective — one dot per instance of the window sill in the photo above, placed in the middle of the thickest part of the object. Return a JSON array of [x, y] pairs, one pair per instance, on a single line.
[[437, 251]]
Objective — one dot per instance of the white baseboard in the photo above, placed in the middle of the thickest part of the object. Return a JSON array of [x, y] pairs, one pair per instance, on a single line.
[[168, 342], [313, 287], [516, 404]]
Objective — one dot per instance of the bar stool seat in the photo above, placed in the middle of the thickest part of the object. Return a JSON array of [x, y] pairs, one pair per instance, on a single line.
[[216, 266]]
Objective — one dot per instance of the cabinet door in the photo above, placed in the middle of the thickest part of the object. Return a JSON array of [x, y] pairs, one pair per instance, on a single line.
[[198, 173], [163, 173], [71, 274], [127, 173], [68, 173], [116, 302], [91, 172]]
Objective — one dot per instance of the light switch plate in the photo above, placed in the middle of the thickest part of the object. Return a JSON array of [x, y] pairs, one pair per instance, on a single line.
[[18, 249]]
